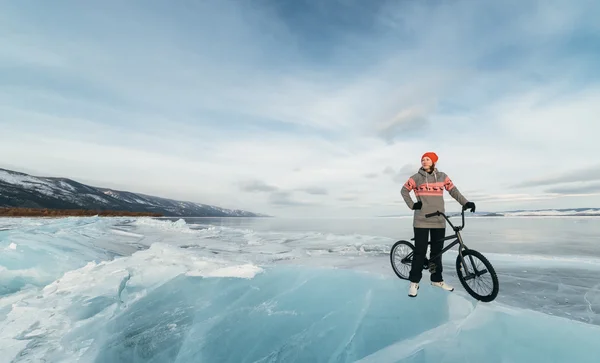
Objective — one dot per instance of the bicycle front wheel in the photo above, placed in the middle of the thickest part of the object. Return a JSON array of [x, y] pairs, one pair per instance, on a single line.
[[401, 258], [478, 277]]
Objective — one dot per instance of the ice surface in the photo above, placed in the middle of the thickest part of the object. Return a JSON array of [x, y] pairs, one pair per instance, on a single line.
[[46, 248], [145, 290]]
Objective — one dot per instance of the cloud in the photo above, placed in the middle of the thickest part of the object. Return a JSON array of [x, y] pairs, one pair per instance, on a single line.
[[305, 103], [281, 198], [407, 123], [257, 186], [589, 173], [278, 197], [503, 198], [578, 188], [314, 190], [285, 199], [402, 175]]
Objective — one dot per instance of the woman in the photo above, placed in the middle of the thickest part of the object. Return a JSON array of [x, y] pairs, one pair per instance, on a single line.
[[428, 185]]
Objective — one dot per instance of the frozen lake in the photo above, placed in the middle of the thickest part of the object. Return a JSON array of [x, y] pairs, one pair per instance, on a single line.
[[289, 290]]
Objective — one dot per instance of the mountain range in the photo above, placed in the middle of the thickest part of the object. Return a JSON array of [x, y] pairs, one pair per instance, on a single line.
[[563, 212], [22, 190]]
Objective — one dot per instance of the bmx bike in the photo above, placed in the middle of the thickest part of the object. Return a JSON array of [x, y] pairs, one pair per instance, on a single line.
[[401, 262]]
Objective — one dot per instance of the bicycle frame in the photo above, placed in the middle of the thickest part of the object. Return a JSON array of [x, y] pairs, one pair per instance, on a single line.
[[465, 254], [456, 235], [458, 240]]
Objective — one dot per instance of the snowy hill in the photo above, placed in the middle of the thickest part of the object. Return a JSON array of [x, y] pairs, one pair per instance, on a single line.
[[24, 190], [571, 212], [554, 212]]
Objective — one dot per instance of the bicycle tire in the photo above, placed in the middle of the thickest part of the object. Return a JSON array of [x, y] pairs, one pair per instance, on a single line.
[[490, 270], [394, 248]]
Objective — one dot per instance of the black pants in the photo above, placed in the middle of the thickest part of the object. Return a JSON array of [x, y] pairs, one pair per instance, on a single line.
[[421, 242]]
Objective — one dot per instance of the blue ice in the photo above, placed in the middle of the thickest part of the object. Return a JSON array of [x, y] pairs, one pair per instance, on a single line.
[[145, 290]]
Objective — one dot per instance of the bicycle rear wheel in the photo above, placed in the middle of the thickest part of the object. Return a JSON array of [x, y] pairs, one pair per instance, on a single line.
[[401, 258], [480, 274]]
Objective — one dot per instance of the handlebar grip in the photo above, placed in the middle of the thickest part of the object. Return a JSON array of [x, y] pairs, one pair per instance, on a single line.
[[432, 214]]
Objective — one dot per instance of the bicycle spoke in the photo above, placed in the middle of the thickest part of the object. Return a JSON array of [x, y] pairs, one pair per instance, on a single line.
[[479, 281], [399, 255]]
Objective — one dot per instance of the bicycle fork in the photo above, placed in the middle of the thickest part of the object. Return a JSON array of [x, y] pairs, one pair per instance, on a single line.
[[468, 275]]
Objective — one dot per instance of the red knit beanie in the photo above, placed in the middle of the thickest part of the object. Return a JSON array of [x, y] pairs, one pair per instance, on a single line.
[[433, 156]]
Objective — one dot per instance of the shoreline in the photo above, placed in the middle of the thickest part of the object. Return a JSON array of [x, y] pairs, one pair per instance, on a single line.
[[49, 212]]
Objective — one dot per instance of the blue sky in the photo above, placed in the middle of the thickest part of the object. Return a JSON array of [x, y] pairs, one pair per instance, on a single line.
[[296, 107]]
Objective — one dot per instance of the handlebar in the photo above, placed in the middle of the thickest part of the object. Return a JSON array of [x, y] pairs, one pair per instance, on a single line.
[[438, 213]]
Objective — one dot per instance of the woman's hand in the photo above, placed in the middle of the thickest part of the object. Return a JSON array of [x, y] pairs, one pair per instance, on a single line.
[[469, 205]]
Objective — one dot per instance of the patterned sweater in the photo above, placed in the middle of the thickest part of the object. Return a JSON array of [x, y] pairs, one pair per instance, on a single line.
[[429, 189]]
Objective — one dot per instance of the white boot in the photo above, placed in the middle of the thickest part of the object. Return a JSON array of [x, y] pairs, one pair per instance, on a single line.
[[412, 291], [443, 285]]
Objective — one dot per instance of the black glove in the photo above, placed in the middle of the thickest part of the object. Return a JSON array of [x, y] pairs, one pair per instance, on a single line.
[[417, 205], [469, 205]]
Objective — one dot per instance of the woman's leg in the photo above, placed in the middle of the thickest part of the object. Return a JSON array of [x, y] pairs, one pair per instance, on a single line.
[[421, 242], [437, 247]]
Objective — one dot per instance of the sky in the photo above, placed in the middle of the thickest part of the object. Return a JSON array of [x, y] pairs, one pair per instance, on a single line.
[[306, 108]]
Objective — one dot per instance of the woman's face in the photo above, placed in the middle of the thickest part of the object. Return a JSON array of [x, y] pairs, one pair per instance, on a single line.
[[426, 163]]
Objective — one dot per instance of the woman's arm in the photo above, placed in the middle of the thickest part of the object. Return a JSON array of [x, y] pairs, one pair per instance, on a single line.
[[406, 188], [454, 192]]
